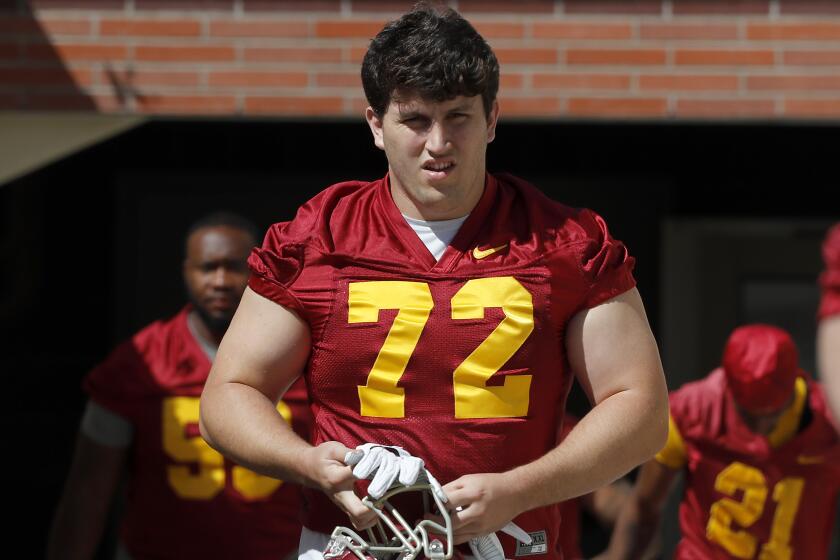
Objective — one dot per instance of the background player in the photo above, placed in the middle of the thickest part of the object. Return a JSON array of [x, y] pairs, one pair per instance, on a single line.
[[828, 332], [184, 500], [758, 450], [443, 310]]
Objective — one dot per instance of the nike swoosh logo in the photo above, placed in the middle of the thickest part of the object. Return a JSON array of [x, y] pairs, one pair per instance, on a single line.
[[483, 253], [809, 459]]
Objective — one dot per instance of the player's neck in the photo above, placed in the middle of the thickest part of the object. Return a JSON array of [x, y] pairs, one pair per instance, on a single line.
[[203, 331], [458, 205]]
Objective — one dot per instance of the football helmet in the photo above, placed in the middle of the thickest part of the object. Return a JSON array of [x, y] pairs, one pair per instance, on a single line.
[[393, 536]]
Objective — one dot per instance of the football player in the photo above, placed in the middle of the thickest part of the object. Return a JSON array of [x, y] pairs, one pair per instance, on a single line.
[[442, 310], [184, 500], [759, 453], [828, 331]]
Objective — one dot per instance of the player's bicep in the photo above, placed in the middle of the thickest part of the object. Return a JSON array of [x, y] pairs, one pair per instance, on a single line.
[[265, 347], [611, 349]]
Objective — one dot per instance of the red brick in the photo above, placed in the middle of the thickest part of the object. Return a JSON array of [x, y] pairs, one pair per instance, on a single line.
[[817, 108], [146, 78], [794, 31], [812, 58], [617, 107], [793, 83], [724, 57], [499, 30], [616, 56], [182, 5], [348, 29], [338, 79], [357, 54], [506, 6], [10, 25], [529, 106], [295, 105], [809, 7], [108, 103], [185, 54], [718, 108], [702, 7], [292, 5], [274, 29], [581, 81], [195, 104], [671, 82], [527, 56], [36, 5], [9, 101], [258, 79], [582, 31], [150, 28], [65, 27], [612, 7], [46, 76], [291, 54], [358, 105], [76, 52], [380, 6], [509, 80], [683, 31]]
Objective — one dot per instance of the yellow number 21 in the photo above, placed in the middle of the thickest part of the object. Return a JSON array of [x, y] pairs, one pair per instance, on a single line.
[[413, 301]]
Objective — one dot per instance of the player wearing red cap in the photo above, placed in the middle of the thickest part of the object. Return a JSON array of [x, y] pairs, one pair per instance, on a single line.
[[755, 442], [828, 332]]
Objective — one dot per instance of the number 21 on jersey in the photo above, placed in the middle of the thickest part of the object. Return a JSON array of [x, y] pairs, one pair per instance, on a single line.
[[381, 397], [726, 512]]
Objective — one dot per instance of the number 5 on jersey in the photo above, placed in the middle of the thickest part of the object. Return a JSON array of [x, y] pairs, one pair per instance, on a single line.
[[381, 397]]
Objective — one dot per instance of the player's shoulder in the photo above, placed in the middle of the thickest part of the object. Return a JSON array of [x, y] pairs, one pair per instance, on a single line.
[[697, 402], [330, 210], [558, 225]]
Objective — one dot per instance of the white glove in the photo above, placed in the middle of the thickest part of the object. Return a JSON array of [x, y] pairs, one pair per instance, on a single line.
[[489, 547], [384, 464]]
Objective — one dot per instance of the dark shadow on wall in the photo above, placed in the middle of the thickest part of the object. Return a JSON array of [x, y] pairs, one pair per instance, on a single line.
[[33, 75]]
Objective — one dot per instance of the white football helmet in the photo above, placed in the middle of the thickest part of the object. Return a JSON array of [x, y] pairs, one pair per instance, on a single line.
[[393, 536]]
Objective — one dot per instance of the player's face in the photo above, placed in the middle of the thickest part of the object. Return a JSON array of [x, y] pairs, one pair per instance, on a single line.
[[216, 272], [436, 153]]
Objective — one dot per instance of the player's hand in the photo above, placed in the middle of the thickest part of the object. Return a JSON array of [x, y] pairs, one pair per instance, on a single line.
[[486, 501], [327, 471], [384, 464]]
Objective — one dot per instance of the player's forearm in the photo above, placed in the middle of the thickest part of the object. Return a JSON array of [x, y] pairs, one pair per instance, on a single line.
[[620, 433], [243, 424], [634, 531], [828, 353]]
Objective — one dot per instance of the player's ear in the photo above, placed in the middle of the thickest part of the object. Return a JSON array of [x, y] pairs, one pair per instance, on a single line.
[[375, 124], [492, 119]]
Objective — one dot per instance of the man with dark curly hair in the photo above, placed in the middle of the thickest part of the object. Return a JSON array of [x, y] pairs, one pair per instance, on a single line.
[[441, 312]]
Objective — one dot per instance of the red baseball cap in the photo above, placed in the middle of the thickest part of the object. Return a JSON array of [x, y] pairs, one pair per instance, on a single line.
[[761, 364]]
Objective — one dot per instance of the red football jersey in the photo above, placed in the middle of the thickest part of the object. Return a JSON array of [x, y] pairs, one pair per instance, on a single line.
[[570, 509], [184, 500], [830, 278], [746, 498], [460, 361]]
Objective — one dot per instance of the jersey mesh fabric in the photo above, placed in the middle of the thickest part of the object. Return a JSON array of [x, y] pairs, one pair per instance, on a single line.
[[353, 234], [162, 368], [719, 446]]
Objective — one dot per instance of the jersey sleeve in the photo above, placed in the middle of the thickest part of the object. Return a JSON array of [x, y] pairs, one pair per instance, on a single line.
[[830, 278], [276, 265], [606, 265], [673, 454]]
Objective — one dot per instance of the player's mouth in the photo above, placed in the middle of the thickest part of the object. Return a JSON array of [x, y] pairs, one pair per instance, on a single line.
[[436, 170]]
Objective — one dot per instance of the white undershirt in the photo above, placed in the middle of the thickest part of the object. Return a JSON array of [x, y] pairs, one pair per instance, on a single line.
[[436, 235]]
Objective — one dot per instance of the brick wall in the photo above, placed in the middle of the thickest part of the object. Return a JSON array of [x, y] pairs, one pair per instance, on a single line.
[[660, 59]]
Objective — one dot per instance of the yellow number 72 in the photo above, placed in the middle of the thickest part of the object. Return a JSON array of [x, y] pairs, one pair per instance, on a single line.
[[381, 397]]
